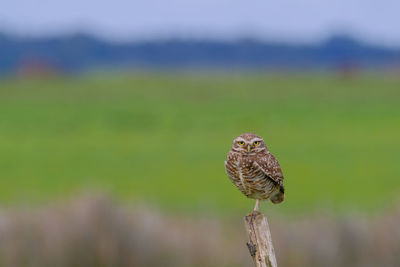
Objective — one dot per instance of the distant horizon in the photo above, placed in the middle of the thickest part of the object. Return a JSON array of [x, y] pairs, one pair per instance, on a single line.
[[237, 39], [84, 52]]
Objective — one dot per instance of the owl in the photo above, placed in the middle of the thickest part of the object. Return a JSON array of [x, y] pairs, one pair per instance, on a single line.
[[254, 170]]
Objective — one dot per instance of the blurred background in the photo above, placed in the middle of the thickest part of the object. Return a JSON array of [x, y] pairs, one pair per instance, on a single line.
[[116, 117]]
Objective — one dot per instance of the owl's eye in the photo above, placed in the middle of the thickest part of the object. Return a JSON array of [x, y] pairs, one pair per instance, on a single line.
[[241, 143], [256, 143]]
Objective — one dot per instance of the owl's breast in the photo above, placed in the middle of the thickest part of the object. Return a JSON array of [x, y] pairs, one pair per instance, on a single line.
[[249, 180], [249, 173]]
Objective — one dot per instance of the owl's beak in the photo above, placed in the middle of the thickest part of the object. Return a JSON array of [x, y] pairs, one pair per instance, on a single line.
[[248, 148]]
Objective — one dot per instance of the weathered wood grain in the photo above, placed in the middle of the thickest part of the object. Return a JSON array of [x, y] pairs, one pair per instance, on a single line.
[[260, 241]]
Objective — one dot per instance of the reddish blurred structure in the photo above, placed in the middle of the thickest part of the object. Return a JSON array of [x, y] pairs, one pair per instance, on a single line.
[[394, 69], [37, 68], [347, 70]]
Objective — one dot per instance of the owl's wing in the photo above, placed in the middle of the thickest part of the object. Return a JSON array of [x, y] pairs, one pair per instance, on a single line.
[[270, 167]]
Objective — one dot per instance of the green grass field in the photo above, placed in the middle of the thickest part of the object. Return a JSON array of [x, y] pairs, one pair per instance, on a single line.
[[163, 138]]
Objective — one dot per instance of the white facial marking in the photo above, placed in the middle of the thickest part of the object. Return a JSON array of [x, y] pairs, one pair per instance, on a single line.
[[255, 139], [240, 139]]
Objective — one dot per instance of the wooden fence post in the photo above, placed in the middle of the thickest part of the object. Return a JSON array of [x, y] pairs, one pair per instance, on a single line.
[[260, 241]]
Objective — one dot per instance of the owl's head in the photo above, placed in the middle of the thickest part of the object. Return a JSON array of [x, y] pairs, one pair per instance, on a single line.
[[248, 143]]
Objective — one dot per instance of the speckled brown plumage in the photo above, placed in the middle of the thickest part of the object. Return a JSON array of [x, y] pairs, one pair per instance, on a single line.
[[254, 170]]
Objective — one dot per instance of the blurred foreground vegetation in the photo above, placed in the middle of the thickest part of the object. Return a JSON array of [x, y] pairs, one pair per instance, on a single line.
[[93, 231], [162, 138]]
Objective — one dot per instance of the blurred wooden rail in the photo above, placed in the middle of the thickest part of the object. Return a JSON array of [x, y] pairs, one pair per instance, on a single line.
[[260, 241]]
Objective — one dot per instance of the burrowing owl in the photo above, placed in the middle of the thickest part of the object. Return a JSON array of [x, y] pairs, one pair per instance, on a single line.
[[254, 170]]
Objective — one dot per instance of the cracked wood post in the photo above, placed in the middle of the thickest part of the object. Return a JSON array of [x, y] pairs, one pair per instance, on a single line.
[[260, 241]]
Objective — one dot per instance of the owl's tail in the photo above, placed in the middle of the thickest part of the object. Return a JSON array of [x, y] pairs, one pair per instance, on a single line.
[[279, 196]]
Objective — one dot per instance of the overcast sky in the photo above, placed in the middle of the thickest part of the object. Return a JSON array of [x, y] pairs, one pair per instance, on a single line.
[[377, 21]]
